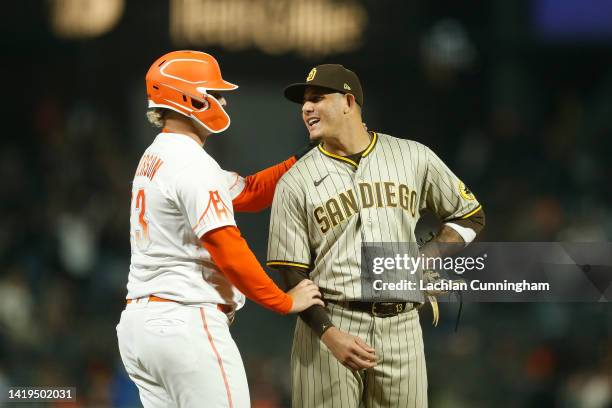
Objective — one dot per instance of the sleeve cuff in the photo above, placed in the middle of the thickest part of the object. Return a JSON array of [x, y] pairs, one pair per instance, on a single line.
[[287, 263], [203, 229]]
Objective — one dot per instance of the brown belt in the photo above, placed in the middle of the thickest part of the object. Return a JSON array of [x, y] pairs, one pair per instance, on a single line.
[[378, 309], [152, 298]]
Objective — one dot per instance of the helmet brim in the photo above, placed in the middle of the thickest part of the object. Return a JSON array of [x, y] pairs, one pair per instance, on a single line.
[[221, 85]]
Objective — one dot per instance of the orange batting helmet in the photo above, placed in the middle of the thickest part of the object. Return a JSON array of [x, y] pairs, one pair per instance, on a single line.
[[180, 80]]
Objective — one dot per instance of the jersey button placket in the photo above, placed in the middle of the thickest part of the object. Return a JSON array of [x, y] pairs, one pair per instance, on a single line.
[[364, 214]]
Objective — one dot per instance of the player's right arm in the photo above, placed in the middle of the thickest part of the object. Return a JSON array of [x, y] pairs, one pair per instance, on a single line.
[[316, 316], [289, 252], [350, 350], [255, 192]]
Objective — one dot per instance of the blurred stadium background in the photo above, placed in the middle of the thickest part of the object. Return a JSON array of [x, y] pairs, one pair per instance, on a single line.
[[515, 95]]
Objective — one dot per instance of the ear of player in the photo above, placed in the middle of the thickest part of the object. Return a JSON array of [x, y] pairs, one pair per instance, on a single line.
[[180, 81]]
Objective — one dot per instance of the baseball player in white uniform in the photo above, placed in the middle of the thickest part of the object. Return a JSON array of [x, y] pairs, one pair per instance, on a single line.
[[190, 268]]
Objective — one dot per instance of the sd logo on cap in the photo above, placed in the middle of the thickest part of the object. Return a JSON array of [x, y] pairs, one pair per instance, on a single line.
[[330, 76]]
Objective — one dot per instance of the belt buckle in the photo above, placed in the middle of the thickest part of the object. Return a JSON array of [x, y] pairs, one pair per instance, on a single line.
[[379, 314], [373, 309], [399, 308]]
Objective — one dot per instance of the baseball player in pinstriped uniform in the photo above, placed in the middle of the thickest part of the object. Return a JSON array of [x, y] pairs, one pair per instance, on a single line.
[[190, 268], [357, 186]]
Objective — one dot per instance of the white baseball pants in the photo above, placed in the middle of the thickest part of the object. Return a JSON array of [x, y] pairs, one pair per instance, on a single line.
[[181, 356]]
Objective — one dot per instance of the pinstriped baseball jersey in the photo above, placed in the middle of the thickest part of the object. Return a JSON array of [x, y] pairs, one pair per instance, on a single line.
[[326, 205]]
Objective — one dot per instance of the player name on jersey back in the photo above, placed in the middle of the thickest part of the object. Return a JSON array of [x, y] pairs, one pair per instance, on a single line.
[[179, 193], [148, 166]]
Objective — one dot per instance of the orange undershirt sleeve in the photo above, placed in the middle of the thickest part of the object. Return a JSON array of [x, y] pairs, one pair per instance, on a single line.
[[259, 188], [232, 255]]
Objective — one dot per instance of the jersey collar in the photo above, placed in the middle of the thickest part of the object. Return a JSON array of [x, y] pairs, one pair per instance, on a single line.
[[367, 151]]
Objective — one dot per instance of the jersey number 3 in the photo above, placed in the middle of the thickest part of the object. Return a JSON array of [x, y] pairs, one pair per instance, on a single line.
[[140, 226]]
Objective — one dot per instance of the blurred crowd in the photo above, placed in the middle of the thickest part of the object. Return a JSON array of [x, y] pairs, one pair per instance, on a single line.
[[535, 148]]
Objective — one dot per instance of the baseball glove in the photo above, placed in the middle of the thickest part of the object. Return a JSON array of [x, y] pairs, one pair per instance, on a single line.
[[432, 278]]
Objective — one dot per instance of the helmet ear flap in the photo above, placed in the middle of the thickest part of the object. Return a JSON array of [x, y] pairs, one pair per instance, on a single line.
[[198, 104], [213, 117]]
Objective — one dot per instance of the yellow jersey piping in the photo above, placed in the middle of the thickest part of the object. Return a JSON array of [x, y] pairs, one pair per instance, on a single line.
[[367, 151], [284, 263]]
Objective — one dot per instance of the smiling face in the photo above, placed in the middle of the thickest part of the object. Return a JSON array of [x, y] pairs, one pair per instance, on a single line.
[[322, 111]]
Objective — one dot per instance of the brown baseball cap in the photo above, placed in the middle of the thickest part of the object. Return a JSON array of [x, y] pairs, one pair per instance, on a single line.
[[330, 76]]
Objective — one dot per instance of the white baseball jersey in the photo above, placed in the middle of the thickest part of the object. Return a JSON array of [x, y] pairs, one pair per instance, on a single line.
[[179, 193]]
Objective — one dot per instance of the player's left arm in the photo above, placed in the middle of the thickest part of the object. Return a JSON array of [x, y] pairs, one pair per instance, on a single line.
[[452, 202]]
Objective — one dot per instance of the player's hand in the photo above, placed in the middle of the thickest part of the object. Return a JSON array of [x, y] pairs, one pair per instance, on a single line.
[[350, 350], [304, 295], [311, 144]]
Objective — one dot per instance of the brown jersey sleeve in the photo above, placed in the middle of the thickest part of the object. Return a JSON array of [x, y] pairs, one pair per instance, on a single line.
[[316, 317]]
